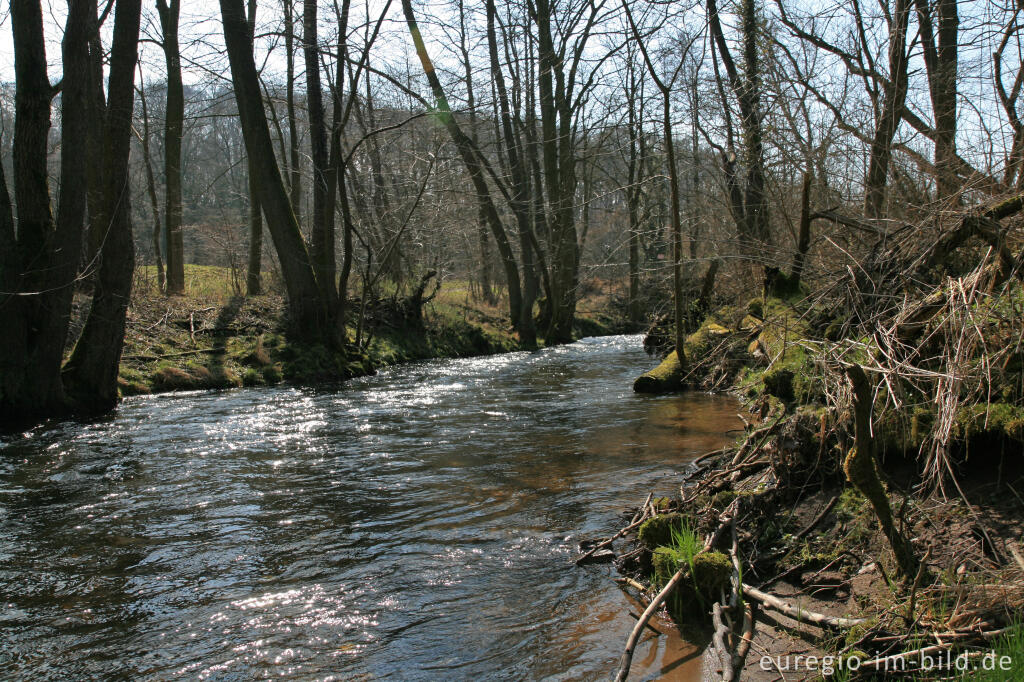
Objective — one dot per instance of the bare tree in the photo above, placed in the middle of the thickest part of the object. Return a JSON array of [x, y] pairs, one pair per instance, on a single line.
[[173, 132]]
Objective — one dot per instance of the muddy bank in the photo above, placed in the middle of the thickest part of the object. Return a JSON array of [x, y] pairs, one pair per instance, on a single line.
[[873, 509]]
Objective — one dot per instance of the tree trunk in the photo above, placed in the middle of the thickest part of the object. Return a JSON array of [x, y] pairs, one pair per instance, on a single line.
[[97, 112], [309, 317], [752, 219], [37, 300], [677, 231], [634, 178], [894, 95], [91, 373], [558, 151], [520, 203], [803, 241], [940, 58], [755, 204], [154, 203], [292, 166], [173, 131], [254, 262], [253, 275], [323, 197]]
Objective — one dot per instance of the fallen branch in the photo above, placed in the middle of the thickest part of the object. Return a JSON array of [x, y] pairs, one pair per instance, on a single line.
[[797, 614], [718, 641], [633, 524], [627, 656], [194, 351]]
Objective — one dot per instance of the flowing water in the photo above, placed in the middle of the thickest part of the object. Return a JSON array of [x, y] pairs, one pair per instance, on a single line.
[[418, 524]]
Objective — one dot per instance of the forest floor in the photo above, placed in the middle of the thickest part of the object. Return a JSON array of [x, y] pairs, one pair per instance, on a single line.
[[779, 520], [213, 338]]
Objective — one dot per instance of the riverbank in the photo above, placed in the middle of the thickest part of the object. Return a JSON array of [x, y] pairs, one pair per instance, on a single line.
[[873, 510], [212, 339]]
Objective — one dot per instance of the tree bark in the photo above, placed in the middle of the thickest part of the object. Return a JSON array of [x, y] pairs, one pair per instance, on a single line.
[[940, 51], [893, 99], [322, 225], [520, 203], [173, 132], [803, 241], [254, 262], [559, 166], [292, 168], [39, 258], [154, 203], [91, 372], [752, 221]]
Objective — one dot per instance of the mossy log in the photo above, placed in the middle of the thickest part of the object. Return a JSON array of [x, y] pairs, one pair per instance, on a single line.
[[665, 378]]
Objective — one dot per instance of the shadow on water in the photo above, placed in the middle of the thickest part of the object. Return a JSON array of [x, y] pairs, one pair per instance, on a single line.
[[416, 524]]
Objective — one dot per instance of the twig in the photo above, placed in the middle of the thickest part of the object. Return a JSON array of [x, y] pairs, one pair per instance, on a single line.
[[632, 583], [605, 543], [707, 455], [743, 648]]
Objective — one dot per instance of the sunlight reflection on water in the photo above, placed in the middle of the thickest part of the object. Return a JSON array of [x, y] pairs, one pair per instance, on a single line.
[[415, 524]]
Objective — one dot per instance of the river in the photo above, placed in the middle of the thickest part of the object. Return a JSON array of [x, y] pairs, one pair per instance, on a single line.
[[417, 524]]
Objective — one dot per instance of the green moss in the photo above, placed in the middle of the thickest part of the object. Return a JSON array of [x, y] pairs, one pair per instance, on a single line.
[[669, 375], [252, 377], [711, 573], [661, 504], [665, 378], [992, 419], [791, 374], [657, 531], [755, 307]]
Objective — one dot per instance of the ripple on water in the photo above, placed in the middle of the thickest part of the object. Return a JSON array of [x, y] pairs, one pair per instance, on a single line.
[[415, 524]]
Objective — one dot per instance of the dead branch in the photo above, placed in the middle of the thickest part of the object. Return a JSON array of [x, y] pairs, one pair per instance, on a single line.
[[798, 614]]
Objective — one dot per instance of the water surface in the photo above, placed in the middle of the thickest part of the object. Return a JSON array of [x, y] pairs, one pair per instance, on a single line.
[[418, 524]]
